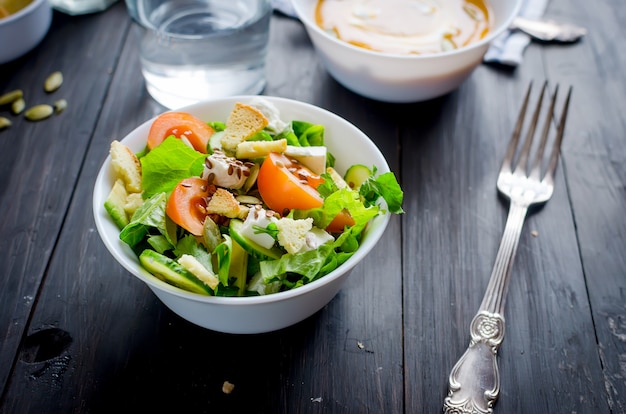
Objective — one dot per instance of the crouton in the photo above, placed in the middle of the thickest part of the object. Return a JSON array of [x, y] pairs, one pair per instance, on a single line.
[[292, 233], [126, 166], [224, 204], [243, 122]]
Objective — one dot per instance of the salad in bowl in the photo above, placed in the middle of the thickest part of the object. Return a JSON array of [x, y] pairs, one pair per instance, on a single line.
[[244, 204]]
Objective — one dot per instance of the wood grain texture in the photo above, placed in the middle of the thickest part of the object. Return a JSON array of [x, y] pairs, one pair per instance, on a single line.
[[40, 162], [79, 334], [595, 163], [547, 308], [161, 356]]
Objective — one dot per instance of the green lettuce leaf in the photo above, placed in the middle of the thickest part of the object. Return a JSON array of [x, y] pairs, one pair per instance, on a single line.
[[189, 245], [334, 203], [159, 243], [307, 264], [223, 252], [151, 214], [167, 164], [308, 134], [385, 186]]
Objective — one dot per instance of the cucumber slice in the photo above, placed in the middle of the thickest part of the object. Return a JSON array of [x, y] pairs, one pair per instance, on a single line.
[[114, 204], [356, 175], [215, 142], [239, 267], [172, 272], [250, 246]]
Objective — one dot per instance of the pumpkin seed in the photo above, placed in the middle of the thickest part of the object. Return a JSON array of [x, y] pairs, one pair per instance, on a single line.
[[246, 199], [39, 112], [60, 105], [18, 105], [4, 123], [53, 82], [10, 97], [473, 12]]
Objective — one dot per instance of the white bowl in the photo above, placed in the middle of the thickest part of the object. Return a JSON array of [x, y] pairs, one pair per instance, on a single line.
[[246, 315], [400, 78], [25, 29]]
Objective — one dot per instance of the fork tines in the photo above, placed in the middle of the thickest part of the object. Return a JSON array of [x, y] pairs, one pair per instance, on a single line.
[[522, 163]]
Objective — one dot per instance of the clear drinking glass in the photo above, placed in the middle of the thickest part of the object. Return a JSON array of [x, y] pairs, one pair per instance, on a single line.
[[193, 50]]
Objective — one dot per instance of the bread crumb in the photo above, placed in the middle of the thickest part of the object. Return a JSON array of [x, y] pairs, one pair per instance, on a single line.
[[227, 387], [534, 233]]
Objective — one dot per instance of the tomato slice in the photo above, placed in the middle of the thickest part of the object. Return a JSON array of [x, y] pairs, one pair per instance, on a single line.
[[284, 184], [186, 205], [340, 221], [180, 124]]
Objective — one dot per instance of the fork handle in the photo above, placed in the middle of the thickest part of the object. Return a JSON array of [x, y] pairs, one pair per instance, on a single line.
[[474, 382]]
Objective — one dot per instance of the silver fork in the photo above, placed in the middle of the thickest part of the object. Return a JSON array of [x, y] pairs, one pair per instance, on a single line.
[[474, 382]]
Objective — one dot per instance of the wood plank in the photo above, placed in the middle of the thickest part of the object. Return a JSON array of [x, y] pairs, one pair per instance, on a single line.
[[595, 161], [549, 341], [40, 162], [100, 341], [137, 353]]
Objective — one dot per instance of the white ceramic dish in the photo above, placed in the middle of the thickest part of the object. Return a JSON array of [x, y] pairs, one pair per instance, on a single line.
[[400, 78], [22, 31], [246, 315]]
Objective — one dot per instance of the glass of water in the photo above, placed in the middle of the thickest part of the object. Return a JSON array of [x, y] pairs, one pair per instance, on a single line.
[[193, 50]]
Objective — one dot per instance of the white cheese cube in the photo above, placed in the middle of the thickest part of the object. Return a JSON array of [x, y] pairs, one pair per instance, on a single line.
[[314, 158], [315, 238], [258, 217]]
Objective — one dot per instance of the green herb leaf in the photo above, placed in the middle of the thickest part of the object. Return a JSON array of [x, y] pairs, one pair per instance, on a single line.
[[271, 229]]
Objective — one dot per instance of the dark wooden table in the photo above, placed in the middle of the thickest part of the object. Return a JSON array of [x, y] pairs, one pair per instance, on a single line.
[[80, 334]]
